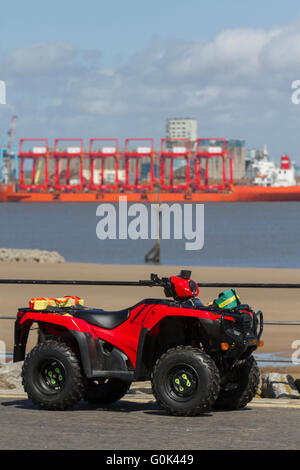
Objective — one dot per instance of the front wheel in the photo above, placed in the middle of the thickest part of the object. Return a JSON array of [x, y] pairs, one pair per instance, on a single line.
[[237, 392], [185, 381], [52, 377]]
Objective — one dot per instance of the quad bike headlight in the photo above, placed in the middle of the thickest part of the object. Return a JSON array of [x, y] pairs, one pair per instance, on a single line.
[[235, 333]]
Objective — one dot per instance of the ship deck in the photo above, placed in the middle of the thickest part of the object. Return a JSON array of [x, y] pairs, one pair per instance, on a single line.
[[237, 194]]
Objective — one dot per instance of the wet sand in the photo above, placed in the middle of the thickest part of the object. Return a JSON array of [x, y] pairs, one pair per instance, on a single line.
[[281, 304]]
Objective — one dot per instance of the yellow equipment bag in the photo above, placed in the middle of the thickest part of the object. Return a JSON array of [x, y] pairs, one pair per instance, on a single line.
[[42, 303]]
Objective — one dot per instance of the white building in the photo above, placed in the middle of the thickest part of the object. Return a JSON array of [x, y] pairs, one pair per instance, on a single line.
[[179, 128]]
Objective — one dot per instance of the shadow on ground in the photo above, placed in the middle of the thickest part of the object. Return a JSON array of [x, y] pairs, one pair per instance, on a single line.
[[122, 406]]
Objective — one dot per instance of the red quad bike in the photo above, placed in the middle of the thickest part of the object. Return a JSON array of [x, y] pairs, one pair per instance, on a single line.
[[197, 357]]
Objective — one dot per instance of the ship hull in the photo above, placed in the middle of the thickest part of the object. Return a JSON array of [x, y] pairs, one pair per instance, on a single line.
[[238, 194]]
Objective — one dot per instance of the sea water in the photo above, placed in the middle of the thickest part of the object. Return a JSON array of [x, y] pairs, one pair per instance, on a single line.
[[235, 235]]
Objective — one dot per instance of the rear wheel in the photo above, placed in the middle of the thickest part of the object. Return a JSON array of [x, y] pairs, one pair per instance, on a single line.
[[105, 391], [241, 388], [51, 376], [185, 381]]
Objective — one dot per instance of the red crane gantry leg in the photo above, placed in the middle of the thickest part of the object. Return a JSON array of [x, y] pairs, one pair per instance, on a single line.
[[68, 153], [110, 149], [35, 153], [207, 148], [173, 149], [137, 154]]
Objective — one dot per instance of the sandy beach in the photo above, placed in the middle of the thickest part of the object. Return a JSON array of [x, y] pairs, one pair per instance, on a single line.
[[276, 305]]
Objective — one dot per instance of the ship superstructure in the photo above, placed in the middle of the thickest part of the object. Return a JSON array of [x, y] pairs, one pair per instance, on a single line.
[[264, 172]]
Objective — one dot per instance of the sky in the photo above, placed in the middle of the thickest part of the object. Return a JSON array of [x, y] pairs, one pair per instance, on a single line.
[[95, 68]]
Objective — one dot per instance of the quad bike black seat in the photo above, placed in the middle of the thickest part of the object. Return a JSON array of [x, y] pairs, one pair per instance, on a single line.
[[111, 319], [103, 319]]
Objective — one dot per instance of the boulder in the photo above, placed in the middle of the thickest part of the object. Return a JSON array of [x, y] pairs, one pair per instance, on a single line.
[[10, 377], [275, 385], [31, 256]]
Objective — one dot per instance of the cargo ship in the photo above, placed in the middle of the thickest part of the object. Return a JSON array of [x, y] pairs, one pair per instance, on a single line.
[[236, 194], [95, 183]]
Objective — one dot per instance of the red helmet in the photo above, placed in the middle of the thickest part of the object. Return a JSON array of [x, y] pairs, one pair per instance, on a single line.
[[184, 288]]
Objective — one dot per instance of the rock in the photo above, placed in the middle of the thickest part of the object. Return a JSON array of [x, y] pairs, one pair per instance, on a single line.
[[11, 369], [32, 256], [10, 377], [275, 385]]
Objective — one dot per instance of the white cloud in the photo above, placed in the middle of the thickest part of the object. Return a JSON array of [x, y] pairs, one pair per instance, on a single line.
[[237, 85], [40, 58]]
